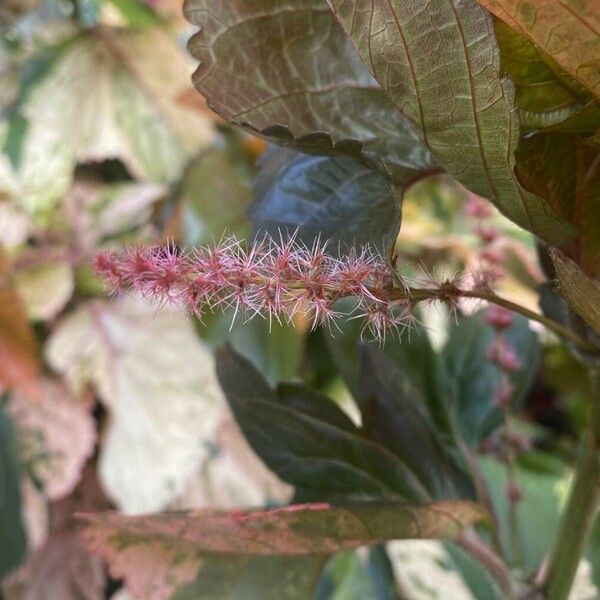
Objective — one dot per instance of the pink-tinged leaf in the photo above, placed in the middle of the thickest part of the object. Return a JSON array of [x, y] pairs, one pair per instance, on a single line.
[[567, 30], [159, 553], [57, 434], [62, 569]]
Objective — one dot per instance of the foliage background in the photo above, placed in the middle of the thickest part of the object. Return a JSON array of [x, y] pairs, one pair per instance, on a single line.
[[116, 404]]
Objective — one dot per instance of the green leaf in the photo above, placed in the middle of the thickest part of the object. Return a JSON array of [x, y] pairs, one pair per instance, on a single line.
[[284, 69], [352, 575], [12, 531], [395, 415], [125, 88], [472, 378], [212, 554], [336, 198], [216, 191], [136, 13], [440, 64], [567, 31], [322, 455], [475, 576], [254, 578], [566, 171], [307, 441], [413, 355], [537, 513], [542, 96], [275, 349], [580, 291]]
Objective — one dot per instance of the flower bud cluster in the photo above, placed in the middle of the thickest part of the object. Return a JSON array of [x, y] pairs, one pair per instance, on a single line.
[[490, 253], [277, 279], [501, 353]]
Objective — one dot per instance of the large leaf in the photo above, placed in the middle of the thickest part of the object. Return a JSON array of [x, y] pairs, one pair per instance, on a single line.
[[473, 379], [19, 363], [308, 442], [412, 354], [566, 171], [337, 198], [157, 382], [568, 31], [543, 97], [440, 64], [123, 87], [285, 69], [221, 551], [395, 415], [12, 532], [581, 293]]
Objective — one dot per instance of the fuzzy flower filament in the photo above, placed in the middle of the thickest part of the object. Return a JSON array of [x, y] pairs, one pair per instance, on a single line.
[[276, 279]]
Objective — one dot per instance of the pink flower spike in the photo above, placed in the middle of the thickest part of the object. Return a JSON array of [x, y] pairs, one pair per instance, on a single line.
[[495, 256], [487, 234], [107, 266], [503, 354], [498, 317], [514, 493], [503, 394], [478, 208]]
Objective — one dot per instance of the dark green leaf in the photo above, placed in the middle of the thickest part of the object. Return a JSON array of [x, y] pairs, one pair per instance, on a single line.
[[217, 189], [274, 349], [320, 454], [440, 64], [338, 199], [355, 576], [395, 416], [473, 378], [13, 543], [285, 70], [309, 442], [475, 576], [412, 354], [254, 578]]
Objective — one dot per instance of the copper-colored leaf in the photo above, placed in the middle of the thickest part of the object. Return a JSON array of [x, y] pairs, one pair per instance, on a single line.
[[567, 30], [18, 347], [439, 62], [581, 292], [565, 170], [299, 529]]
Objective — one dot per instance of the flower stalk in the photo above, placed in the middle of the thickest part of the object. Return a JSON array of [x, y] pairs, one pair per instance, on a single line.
[[581, 510], [279, 279]]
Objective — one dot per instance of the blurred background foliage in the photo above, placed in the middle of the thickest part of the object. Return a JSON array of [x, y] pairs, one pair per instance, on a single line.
[[104, 142]]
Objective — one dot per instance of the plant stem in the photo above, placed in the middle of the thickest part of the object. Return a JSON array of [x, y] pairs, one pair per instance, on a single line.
[[581, 509], [419, 294], [471, 542]]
